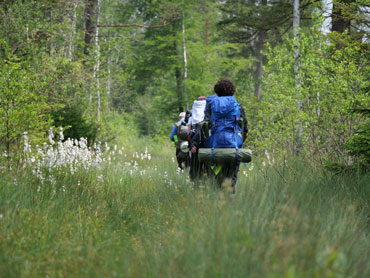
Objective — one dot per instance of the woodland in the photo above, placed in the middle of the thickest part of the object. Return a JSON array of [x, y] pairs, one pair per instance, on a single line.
[[102, 68], [89, 91]]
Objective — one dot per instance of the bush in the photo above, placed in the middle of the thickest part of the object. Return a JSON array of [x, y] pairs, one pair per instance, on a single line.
[[75, 124]]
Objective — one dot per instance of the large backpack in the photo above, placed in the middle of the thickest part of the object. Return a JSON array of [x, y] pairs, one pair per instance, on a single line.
[[182, 132], [225, 129]]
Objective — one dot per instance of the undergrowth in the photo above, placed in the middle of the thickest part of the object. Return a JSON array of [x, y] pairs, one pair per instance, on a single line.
[[140, 217]]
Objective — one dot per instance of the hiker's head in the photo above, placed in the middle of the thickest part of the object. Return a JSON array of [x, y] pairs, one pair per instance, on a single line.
[[182, 115], [224, 87], [201, 98]]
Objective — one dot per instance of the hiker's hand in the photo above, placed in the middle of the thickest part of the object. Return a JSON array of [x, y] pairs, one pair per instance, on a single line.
[[193, 149], [245, 135]]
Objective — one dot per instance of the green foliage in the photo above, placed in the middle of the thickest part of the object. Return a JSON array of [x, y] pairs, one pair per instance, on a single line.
[[74, 123], [358, 144], [122, 128], [22, 107], [331, 83]]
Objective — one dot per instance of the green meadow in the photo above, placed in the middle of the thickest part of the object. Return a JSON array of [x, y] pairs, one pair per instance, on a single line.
[[140, 217]]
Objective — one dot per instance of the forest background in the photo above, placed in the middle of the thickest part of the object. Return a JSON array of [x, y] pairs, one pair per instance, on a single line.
[[108, 69]]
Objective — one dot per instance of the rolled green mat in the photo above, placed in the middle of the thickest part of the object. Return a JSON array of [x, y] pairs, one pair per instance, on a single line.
[[224, 155]]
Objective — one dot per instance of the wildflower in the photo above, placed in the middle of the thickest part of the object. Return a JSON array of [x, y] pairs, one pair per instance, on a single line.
[[61, 134], [100, 178], [251, 167], [51, 137], [165, 176], [149, 157], [38, 189], [263, 163], [267, 155], [27, 147], [1, 216]]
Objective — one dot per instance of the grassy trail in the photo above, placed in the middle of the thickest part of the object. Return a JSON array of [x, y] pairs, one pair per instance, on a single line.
[[140, 218]]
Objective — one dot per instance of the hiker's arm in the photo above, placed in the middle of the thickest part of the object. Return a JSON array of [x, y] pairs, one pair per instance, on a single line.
[[173, 132], [195, 141]]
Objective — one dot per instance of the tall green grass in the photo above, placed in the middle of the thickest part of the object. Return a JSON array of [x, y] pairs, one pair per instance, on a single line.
[[286, 220]]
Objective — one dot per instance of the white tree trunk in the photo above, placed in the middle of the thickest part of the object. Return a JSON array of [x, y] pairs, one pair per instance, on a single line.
[[327, 10], [185, 60], [73, 29], [97, 59], [109, 82], [297, 54]]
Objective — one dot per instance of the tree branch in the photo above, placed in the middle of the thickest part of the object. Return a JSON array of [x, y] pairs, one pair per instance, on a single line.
[[138, 25]]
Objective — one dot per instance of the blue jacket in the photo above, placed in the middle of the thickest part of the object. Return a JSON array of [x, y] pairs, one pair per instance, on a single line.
[[175, 129]]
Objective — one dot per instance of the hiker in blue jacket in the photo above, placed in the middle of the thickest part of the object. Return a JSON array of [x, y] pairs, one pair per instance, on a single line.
[[229, 129]]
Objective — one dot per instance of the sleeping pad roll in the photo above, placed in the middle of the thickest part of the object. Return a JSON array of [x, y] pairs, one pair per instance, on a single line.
[[224, 155]]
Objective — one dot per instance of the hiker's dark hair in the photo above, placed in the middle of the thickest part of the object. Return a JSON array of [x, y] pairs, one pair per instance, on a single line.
[[224, 87]]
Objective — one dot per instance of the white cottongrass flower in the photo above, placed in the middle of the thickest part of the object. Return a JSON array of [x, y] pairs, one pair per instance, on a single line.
[[27, 146], [251, 167], [1, 216], [165, 176], [71, 154], [51, 137], [267, 155], [61, 134], [263, 163]]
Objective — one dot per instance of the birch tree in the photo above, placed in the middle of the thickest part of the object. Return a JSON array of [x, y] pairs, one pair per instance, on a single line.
[[97, 60], [298, 84]]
